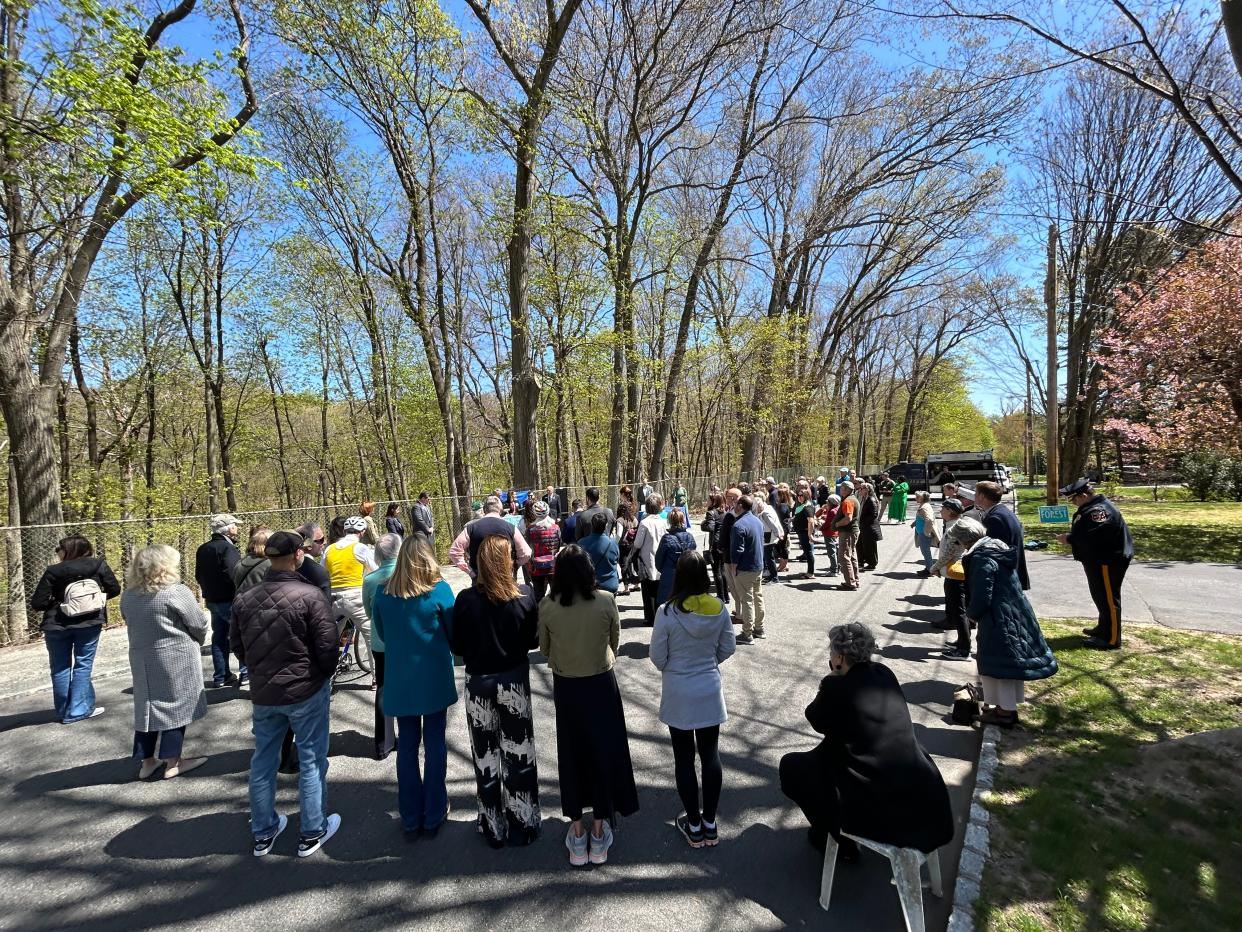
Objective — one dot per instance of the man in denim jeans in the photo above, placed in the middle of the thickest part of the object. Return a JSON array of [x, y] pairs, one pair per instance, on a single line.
[[284, 630], [213, 570]]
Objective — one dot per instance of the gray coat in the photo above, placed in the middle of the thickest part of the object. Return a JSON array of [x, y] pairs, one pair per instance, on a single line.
[[687, 647], [166, 631]]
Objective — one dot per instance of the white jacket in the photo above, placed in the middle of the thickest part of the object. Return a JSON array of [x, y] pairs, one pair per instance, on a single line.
[[650, 532]]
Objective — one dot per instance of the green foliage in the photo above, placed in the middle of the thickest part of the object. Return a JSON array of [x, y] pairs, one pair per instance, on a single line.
[[1205, 473]]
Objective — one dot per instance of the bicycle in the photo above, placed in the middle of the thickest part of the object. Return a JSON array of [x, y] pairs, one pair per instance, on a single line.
[[354, 649]]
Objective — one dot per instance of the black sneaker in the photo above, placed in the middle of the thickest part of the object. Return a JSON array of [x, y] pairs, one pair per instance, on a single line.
[[693, 836], [264, 845], [309, 845], [952, 653], [745, 639], [710, 838], [759, 633]]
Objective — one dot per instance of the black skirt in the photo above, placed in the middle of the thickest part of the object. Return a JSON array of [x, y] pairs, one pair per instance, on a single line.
[[592, 748]]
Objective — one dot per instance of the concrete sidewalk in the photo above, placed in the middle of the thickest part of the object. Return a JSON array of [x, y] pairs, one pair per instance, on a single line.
[[1194, 596], [83, 846]]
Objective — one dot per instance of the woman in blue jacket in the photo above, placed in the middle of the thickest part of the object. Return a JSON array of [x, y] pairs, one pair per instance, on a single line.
[[676, 541], [1010, 649], [413, 617]]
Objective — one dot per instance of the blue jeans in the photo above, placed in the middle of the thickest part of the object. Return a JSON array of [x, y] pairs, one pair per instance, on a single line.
[[769, 561], [830, 548], [309, 720], [422, 796], [71, 652], [221, 615], [925, 547]]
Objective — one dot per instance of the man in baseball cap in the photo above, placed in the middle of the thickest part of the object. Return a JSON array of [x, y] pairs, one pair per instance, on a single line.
[[213, 570]]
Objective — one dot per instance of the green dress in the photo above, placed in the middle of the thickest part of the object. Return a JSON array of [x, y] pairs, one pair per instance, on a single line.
[[897, 506]]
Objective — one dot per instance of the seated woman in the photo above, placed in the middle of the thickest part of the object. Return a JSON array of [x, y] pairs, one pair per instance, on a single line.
[[869, 776]]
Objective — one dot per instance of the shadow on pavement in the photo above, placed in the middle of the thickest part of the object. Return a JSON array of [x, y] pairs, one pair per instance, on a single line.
[[635, 650], [23, 719], [158, 839]]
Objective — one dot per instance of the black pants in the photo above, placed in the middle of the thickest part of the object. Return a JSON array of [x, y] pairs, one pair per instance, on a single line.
[[684, 743], [650, 589], [955, 611], [1104, 580], [540, 586], [718, 574], [808, 552], [385, 725], [806, 781], [170, 743]]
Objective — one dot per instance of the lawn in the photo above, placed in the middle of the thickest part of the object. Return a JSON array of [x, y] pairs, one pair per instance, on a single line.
[[1208, 532], [1118, 802]]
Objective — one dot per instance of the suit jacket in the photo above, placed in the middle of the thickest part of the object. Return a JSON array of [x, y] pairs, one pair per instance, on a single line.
[[422, 521]]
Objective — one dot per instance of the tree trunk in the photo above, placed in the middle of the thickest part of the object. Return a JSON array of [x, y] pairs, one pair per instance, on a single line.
[[525, 381]]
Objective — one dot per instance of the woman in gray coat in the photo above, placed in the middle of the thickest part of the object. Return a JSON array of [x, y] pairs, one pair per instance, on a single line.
[[166, 632], [692, 636]]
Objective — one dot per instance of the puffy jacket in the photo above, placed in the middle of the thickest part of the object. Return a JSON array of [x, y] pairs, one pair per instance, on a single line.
[[672, 546], [283, 629], [249, 572], [1010, 644], [50, 591], [213, 569]]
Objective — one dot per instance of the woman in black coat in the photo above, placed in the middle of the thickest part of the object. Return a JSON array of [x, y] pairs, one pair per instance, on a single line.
[[72, 594], [869, 532], [869, 776]]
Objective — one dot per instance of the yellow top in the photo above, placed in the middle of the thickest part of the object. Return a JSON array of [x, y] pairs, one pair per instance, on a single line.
[[344, 568]]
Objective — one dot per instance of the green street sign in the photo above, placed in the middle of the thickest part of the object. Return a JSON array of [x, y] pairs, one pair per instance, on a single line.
[[1053, 514]]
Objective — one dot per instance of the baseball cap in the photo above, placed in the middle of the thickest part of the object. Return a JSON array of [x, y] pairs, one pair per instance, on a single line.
[[283, 544], [222, 522], [953, 504]]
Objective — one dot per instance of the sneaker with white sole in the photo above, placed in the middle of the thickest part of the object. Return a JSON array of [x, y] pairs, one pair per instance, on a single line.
[[308, 846], [577, 845], [600, 846], [264, 845], [693, 835]]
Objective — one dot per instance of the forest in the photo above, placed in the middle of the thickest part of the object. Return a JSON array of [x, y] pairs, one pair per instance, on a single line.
[[278, 254]]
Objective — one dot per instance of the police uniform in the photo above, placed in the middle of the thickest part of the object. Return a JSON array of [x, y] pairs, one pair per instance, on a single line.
[[1102, 544]]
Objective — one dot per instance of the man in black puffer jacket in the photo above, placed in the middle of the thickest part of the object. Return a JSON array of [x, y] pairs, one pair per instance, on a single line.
[[284, 631]]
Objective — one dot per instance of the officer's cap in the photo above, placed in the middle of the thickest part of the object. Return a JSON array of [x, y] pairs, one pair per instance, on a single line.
[[1078, 487]]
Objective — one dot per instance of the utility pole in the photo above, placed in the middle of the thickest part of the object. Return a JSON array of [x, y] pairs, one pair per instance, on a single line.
[[1028, 436], [1052, 438]]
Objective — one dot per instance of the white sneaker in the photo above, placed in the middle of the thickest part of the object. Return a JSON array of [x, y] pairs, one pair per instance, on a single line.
[[577, 845], [600, 846], [262, 846], [308, 846]]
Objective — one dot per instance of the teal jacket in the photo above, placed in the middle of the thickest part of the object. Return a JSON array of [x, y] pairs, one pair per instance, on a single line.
[[418, 664], [371, 582]]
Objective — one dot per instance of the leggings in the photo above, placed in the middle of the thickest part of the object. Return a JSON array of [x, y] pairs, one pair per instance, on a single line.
[[687, 780], [718, 574]]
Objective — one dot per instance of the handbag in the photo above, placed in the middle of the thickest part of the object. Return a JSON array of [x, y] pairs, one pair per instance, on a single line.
[[966, 700]]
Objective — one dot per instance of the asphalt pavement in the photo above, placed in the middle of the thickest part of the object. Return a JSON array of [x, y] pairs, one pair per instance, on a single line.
[[85, 846]]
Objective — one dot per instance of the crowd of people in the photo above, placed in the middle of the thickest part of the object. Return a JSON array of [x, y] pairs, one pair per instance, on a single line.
[[549, 581]]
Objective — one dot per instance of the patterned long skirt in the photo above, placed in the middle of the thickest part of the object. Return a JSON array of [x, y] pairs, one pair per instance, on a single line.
[[502, 740]]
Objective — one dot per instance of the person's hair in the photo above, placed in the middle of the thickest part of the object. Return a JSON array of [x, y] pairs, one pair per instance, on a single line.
[[653, 503], [715, 500], [863, 487], [336, 530], [573, 576], [599, 523], [494, 568], [626, 492], [422, 495], [989, 490], [676, 520], [624, 512], [853, 641], [784, 495], [258, 540], [576, 504], [967, 531], [308, 530], [391, 510], [387, 547], [153, 568], [366, 508], [745, 502], [922, 497], [745, 488], [491, 505], [416, 572], [74, 547], [689, 579], [592, 494], [528, 510], [759, 503], [735, 493]]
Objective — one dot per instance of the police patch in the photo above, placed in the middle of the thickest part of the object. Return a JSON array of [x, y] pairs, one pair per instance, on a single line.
[[1099, 515]]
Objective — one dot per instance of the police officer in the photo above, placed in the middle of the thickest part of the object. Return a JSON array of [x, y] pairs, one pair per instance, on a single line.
[[1102, 544]]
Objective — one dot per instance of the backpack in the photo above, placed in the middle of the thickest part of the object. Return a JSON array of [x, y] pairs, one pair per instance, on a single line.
[[82, 597]]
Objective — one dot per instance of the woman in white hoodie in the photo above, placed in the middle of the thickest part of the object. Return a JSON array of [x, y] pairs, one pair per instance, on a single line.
[[650, 532]]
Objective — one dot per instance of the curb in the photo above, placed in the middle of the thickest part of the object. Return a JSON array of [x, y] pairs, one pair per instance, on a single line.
[[46, 687], [976, 845]]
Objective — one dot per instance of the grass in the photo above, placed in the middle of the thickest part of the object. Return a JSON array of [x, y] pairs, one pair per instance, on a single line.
[[1118, 804], [1209, 532]]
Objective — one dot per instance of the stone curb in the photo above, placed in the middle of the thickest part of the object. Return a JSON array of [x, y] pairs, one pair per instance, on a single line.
[[976, 845]]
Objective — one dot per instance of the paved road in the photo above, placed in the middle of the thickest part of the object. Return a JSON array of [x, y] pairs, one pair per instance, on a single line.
[[83, 846], [1195, 596]]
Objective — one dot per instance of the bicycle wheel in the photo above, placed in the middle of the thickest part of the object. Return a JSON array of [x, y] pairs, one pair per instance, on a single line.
[[362, 652]]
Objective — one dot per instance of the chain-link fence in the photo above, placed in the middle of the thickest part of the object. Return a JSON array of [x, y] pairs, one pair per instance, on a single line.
[[27, 551]]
